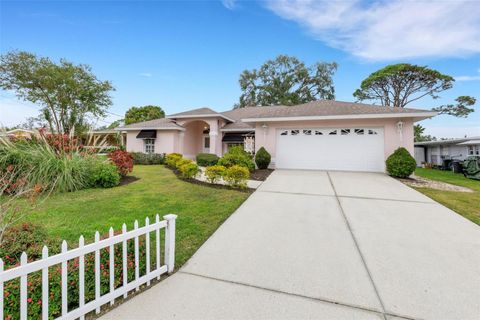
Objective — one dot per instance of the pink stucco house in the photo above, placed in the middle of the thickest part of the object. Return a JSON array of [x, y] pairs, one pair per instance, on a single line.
[[325, 134]]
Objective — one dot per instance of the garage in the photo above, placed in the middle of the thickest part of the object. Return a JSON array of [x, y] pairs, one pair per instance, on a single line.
[[350, 149]]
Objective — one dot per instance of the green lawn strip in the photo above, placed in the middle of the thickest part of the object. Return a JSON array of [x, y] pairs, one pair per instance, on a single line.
[[466, 204], [200, 209]]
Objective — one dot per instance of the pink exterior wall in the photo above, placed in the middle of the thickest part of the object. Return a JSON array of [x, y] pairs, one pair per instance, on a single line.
[[193, 138], [166, 141], [267, 137]]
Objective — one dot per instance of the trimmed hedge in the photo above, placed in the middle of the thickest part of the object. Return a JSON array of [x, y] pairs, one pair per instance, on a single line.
[[262, 158], [237, 176], [171, 159], [206, 159], [401, 164], [105, 175], [188, 170], [214, 173], [148, 158]]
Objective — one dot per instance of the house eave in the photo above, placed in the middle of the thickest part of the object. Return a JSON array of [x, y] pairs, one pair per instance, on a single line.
[[237, 130], [417, 116], [197, 116], [149, 128]]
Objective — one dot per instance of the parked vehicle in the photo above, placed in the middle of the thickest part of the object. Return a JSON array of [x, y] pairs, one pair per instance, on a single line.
[[471, 167]]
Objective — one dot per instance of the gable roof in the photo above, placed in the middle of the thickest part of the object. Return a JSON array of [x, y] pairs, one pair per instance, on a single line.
[[323, 108], [243, 119], [157, 124]]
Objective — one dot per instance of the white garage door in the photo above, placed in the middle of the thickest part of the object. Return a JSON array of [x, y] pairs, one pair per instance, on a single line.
[[354, 149]]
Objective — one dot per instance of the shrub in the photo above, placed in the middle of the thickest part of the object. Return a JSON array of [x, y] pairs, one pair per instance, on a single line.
[[237, 176], [147, 158], [123, 160], [171, 159], [206, 159], [105, 175], [26, 237], [214, 173], [236, 156], [262, 158], [34, 287], [188, 170], [45, 165], [182, 162], [401, 164]]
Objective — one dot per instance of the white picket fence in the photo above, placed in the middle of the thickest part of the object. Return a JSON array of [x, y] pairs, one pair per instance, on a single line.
[[43, 265]]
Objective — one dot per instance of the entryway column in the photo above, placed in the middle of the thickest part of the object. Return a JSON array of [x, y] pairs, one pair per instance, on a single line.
[[213, 141]]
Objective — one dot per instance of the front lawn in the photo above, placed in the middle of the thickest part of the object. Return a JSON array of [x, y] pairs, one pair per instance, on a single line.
[[466, 204], [200, 209]]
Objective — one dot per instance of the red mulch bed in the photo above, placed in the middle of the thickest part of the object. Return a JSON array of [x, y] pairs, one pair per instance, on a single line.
[[260, 174]]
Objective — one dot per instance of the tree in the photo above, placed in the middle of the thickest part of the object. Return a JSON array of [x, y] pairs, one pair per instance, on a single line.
[[461, 109], [145, 113], [286, 81], [400, 84], [419, 136], [115, 124], [69, 94]]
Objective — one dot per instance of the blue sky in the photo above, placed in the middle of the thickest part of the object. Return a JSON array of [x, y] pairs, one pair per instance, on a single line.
[[183, 55]]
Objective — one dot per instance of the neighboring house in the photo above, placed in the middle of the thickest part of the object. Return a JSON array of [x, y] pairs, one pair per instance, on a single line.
[[20, 133], [435, 152], [107, 138], [323, 134]]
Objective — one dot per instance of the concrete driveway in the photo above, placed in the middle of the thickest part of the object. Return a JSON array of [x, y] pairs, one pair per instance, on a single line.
[[326, 245]]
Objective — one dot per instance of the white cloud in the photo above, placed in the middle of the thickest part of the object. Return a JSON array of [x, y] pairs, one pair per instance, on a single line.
[[469, 78], [145, 74], [229, 4], [13, 112], [388, 30]]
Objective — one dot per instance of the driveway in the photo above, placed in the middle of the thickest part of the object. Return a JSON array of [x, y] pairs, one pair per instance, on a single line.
[[326, 245]]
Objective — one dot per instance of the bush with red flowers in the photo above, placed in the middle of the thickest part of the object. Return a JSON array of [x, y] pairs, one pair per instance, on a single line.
[[123, 160], [11, 293]]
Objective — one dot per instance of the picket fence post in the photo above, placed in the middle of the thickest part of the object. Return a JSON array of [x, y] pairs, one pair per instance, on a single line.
[[64, 281], [124, 260], [147, 249], [81, 275], [112, 265], [97, 271], [45, 286], [170, 242], [137, 267], [157, 244]]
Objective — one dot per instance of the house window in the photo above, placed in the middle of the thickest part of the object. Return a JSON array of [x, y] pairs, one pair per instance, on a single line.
[[294, 132], [473, 150], [207, 142], [359, 131], [344, 132], [149, 145], [333, 133], [284, 133], [372, 132], [307, 132], [318, 133]]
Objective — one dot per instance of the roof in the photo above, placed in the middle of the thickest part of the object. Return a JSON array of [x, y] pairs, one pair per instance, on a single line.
[[243, 119], [194, 112], [198, 113], [157, 124], [461, 141], [323, 108]]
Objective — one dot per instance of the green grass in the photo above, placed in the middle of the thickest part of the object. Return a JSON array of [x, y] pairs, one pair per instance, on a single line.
[[466, 204], [200, 209]]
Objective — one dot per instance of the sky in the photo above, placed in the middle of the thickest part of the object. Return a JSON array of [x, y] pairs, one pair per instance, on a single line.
[[182, 55]]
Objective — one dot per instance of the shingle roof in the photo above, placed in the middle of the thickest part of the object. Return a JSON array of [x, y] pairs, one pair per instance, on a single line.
[[447, 141], [162, 123], [195, 112], [316, 108]]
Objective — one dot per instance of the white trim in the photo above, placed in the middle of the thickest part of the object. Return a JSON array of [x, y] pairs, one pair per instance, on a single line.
[[194, 116], [149, 128], [348, 116]]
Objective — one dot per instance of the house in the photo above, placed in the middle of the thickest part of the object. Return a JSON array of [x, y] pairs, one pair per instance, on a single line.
[[324, 134], [435, 152]]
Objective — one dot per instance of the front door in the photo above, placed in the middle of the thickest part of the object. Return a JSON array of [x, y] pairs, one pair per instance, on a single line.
[[206, 143]]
